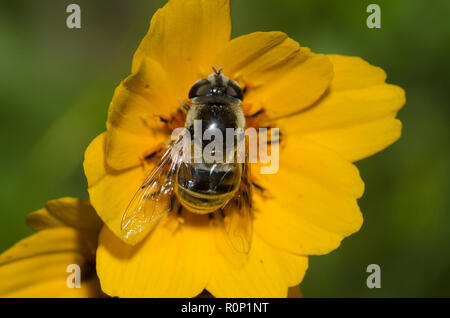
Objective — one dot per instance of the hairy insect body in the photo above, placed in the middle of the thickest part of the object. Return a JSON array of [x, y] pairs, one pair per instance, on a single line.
[[205, 187], [220, 187]]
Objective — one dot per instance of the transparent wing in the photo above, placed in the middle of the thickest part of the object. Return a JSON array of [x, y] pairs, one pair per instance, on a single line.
[[154, 198], [237, 215]]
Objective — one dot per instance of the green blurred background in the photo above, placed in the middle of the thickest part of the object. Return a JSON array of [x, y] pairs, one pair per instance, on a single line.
[[56, 85]]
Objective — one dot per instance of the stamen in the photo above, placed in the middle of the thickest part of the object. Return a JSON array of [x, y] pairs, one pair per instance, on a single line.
[[172, 203], [180, 220], [259, 112], [257, 186], [165, 121], [150, 156]]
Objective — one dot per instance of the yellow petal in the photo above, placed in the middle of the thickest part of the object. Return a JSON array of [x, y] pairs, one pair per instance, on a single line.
[[279, 76], [356, 116], [75, 213], [110, 191], [69, 212], [42, 219], [55, 288], [134, 128], [37, 265], [171, 262], [311, 204], [268, 273], [183, 38], [360, 141]]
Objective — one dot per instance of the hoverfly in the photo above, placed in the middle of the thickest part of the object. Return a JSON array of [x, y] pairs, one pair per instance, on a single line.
[[222, 190]]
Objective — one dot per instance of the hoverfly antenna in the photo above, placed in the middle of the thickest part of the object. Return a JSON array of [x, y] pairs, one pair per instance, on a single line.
[[217, 72]]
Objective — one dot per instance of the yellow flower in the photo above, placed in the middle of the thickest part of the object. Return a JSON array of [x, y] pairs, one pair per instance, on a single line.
[[332, 110], [37, 266]]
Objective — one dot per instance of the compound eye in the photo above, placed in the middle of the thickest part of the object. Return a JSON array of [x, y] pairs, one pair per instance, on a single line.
[[234, 90], [200, 88]]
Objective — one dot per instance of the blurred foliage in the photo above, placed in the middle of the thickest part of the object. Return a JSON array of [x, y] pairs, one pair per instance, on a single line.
[[57, 83]]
